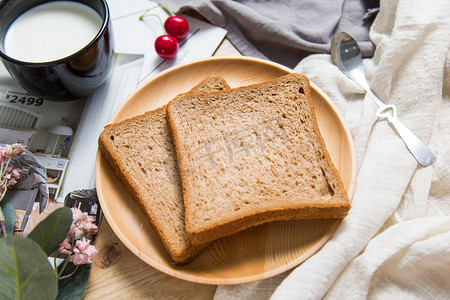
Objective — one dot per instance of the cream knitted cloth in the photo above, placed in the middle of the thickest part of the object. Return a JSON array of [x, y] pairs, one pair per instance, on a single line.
[[395, 242]]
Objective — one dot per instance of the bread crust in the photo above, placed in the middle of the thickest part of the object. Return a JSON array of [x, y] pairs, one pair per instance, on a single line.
[[224, 229]]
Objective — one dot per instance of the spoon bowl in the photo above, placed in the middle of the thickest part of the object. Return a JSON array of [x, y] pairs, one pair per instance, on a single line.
[[346, 54], [347, 57]]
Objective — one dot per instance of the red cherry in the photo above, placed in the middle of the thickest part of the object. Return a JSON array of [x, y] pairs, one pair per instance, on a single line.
[[166, 46], [177, 27]]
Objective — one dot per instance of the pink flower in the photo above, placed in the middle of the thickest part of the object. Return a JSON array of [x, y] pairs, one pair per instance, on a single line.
[[82, 244], [80, 259], [82, 223], [12, 182], [16, 173], [65, 247], [91, 228], [11, 151], [78, 215], [7, 151], [8, 175], [17, 149], [84, 252]]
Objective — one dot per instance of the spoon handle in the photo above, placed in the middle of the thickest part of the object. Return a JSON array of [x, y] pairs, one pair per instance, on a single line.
[[346, 55], [418, 149]]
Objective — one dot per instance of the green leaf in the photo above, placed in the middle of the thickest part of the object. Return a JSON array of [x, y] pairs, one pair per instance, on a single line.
[[74, 287], [51, 231], [25, 272], [10, 216]]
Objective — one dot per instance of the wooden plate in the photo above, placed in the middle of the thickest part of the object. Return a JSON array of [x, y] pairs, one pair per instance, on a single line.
[[252, 254]]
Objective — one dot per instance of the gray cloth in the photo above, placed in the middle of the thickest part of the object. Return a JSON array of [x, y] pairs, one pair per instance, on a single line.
[[285, 31]]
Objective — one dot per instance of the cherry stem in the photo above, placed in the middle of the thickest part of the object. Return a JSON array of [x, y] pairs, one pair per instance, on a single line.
[[162, 6], [160, 21]]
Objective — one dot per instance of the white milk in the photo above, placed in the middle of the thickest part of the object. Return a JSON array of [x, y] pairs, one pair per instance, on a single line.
[[52, 31]]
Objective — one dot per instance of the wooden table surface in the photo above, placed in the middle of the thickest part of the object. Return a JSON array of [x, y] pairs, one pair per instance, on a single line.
[[118, 274]]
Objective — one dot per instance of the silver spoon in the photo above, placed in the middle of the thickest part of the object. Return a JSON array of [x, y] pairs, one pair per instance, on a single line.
[[346, 55]]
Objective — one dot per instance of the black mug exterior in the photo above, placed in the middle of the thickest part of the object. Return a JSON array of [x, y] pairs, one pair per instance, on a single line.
[[70, 78]]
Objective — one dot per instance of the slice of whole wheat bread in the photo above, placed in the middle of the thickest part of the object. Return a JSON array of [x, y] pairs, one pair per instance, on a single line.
[[140, 151], [255, 155]]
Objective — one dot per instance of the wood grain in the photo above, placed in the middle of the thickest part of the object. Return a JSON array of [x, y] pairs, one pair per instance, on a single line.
[[118, 274], [250, 255]]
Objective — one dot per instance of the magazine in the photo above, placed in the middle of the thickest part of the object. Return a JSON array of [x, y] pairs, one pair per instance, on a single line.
[[62, 136]]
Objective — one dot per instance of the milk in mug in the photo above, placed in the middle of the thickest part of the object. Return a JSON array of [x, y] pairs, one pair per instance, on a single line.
[[52, 31]]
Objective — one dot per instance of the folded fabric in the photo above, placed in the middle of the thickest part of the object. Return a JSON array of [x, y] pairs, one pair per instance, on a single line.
[[413, 254], [399, 222], [297, 28], [33, 175]]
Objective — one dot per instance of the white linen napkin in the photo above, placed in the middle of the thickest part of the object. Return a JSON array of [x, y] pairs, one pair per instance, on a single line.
[[395, 240]]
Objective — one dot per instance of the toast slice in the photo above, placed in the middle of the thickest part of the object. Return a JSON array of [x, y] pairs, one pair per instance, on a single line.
[[256, 155], [141, 152]]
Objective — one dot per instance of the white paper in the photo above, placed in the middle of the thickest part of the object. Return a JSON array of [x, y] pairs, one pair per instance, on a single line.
[[97, 112], [138, 36]]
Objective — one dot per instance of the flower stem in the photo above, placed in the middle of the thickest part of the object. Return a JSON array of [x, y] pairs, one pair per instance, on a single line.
[[54, 261], [66, 261], [4, 189], [67, 276], [2, 216], [2, 224], [3, 169], [3, 229]]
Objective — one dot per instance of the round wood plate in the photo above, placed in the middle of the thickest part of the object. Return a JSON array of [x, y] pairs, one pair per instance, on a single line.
[[253, 254]]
